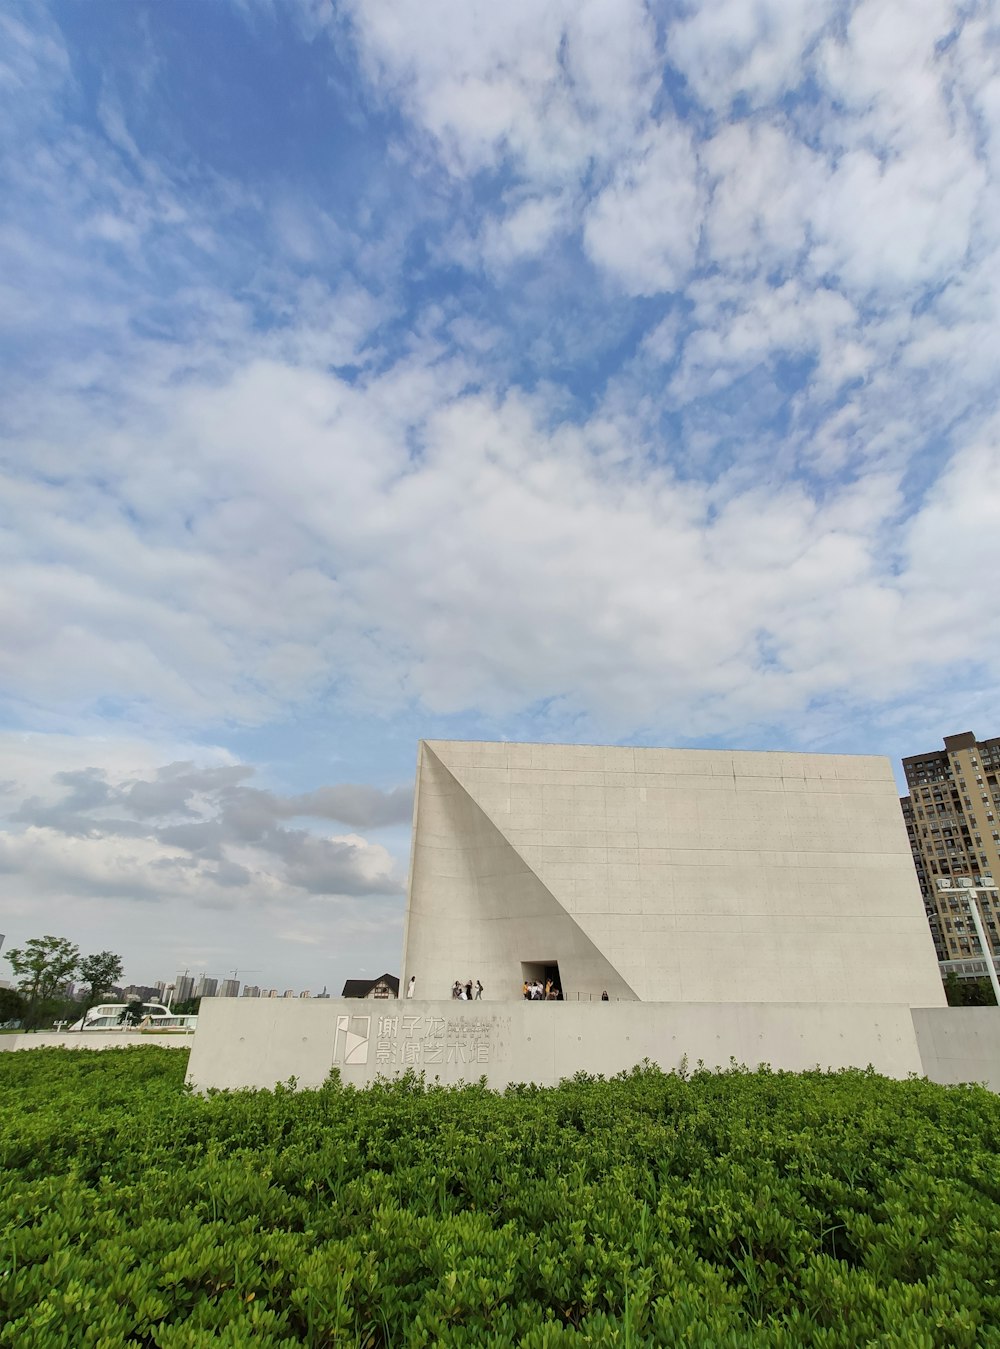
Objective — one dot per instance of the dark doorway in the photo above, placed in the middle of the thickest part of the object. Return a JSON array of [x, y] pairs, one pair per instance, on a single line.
[[542, 972]]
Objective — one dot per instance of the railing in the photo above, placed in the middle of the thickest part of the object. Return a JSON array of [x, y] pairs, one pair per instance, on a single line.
[[596, 997], [967, 967], [172, 1024]]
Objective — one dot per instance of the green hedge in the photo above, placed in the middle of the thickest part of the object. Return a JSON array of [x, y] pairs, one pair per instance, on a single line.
[[724, 1209]]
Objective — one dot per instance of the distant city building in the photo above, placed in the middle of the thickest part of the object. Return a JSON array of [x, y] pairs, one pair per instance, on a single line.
[[385, 986], [251, 991], [141, 993], [183, 988], [288, 993], [161, 987], [230, 988], [305, 993], [271, 993], [952, 818], [206, 987], [324, 994]]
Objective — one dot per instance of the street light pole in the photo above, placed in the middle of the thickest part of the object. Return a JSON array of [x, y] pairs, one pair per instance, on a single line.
[[984, 945]]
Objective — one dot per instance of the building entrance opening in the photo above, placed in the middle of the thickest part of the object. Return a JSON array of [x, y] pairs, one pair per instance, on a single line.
[[544, 973]]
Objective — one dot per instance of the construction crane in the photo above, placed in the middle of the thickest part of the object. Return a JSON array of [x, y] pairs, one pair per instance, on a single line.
[[244, 969]]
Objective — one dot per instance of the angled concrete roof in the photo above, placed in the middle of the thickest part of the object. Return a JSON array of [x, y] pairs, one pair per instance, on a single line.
[[360, 988]]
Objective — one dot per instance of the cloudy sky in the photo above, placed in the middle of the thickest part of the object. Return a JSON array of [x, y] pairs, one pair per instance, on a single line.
[[586, 371]]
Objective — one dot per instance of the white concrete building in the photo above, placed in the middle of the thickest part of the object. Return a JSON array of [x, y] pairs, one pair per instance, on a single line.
[[663, 875]]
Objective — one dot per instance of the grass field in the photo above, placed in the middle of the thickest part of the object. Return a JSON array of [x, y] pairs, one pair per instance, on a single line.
[[713, 1210]]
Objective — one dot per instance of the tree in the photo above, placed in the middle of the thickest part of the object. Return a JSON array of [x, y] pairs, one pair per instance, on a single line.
[[11, 1005], [43, 965], [968, 992], [132, 1014], [99, 972]]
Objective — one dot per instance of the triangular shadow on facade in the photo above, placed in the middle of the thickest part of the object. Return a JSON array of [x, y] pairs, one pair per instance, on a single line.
[[499, 902]]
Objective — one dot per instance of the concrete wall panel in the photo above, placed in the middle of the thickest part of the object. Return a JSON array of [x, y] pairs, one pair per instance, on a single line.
[[268, 1042], [92, 1039], [959, 1044]]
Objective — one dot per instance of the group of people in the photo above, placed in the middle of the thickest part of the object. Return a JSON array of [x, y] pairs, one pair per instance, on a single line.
[[536, 991]]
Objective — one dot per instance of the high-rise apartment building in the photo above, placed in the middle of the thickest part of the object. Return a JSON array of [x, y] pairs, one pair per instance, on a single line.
[[952, 817], [206, 987], [183, 988], [251, 991], [141, 993], [230, 988]]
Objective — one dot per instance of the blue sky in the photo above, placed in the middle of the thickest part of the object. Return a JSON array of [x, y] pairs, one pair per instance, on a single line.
[[596, 371]]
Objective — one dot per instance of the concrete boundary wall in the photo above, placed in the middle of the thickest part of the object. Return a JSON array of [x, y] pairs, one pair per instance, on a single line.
[[237, 1045], [92, 1039], [246, 1043], [959, 1044]]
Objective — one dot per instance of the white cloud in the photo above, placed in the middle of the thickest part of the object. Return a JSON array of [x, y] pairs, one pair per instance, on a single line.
[[949, 544], [590, 573], [151, 849], [550, 87], [734, 335], [766, 185], [32, 759], [643, 227], [190, 830], [32, 60], [888, 228], [146, 853], [731, 48], [526, 230], [212, 523], [908, 179]]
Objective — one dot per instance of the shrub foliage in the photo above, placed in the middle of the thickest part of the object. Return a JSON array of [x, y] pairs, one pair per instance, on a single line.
[[720, 1209]]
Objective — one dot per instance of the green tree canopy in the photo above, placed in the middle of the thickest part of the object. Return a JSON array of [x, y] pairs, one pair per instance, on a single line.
[[132, 1014], [99, 973], [42, 966], [12, 1005], [968, 992]]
